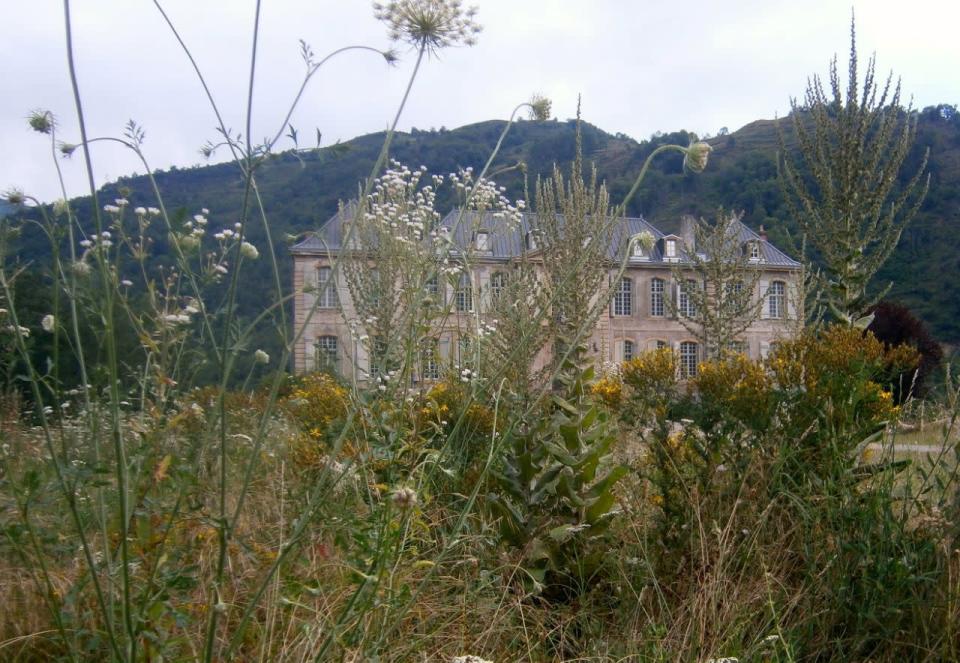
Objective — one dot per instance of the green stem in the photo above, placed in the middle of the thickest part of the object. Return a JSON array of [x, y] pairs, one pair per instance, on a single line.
[[643, 172], [109, 337]]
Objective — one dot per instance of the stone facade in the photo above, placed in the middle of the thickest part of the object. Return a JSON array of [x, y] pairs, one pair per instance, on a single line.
[[640, 318]]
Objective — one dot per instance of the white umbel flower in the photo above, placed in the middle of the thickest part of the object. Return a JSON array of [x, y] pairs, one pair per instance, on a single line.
[[248, 250], [48, 323]]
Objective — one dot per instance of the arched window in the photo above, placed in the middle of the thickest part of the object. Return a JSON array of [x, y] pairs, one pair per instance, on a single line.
[[656, 297], [326, 288], [623, 297], [689, 352], [328, 354], [498, 281], [777, 299], [628, 350], [464, 296]]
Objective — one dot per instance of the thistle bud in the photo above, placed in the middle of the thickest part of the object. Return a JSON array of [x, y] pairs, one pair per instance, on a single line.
[[67, 149], [695, 157], [41, 121], [15, 197]]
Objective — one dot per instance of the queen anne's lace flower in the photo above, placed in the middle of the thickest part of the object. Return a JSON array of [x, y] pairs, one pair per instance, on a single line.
[[248, 250], [429, 24]]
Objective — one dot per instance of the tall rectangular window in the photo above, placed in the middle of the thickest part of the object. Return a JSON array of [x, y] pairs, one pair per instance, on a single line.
[[434, 291], [628, 351], [777, 299], [464, 293], [498, 281], [688, 359], [685, 304], [656, 297], [623, 297], [429, 360], [328, 358], [326, 288]]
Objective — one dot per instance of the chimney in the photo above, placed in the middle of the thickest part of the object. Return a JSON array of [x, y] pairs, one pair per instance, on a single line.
[[763, 233], [688, 232]]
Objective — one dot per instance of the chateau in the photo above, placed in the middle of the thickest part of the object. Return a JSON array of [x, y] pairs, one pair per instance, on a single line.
[[642, 314]]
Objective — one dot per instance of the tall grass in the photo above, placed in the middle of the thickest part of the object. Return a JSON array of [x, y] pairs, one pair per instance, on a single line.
[[494, 512]]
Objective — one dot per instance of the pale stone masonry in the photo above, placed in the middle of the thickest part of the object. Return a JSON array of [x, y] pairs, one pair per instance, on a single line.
[[639, 317]]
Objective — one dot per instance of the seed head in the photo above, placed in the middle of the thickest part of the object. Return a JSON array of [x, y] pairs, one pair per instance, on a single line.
[[14, 196], [261, 357], [67, 149], [41, 121], [429, 24], [249, 251], [404, 498], [539, 108], [695, 158]]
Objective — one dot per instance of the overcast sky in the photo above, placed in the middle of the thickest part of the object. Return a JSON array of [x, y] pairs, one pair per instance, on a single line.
[[641, 66]]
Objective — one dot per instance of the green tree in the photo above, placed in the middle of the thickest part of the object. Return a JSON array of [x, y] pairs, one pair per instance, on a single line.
[[843, 187]]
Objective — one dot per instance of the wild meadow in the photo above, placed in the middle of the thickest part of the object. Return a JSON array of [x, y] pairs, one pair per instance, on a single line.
[[506, 509]]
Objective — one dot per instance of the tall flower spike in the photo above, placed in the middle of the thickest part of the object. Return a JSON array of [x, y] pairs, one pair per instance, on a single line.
[[430, 24]]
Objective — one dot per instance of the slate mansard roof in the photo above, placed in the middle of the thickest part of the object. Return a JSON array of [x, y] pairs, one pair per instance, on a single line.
[[506, 242]]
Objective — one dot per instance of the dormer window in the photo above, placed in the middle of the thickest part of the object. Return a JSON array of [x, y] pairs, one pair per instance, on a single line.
[[670, 248], [530, 240], [754, 249], [482, 240]]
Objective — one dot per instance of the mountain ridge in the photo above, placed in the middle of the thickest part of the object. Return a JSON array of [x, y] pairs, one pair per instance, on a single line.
[[301, 190]]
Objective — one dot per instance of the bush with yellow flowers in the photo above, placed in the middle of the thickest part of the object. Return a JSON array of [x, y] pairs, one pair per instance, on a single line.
[[609, 389], [650, 381], [317, 402], [734, 389], [443, 407], [836, 376]]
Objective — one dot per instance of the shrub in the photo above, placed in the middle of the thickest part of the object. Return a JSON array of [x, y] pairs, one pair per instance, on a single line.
[[894, 325]]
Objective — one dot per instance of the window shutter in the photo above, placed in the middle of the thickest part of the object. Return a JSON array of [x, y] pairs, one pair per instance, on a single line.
[[674, 302], [764, 349], [764, 301], [484, 295], [362, 360], [791, 294]]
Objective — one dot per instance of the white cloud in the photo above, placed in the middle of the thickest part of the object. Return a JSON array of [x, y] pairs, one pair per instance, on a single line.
[[641, 67]]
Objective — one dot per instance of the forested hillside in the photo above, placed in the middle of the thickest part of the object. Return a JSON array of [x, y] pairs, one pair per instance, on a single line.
[[301, 190]]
